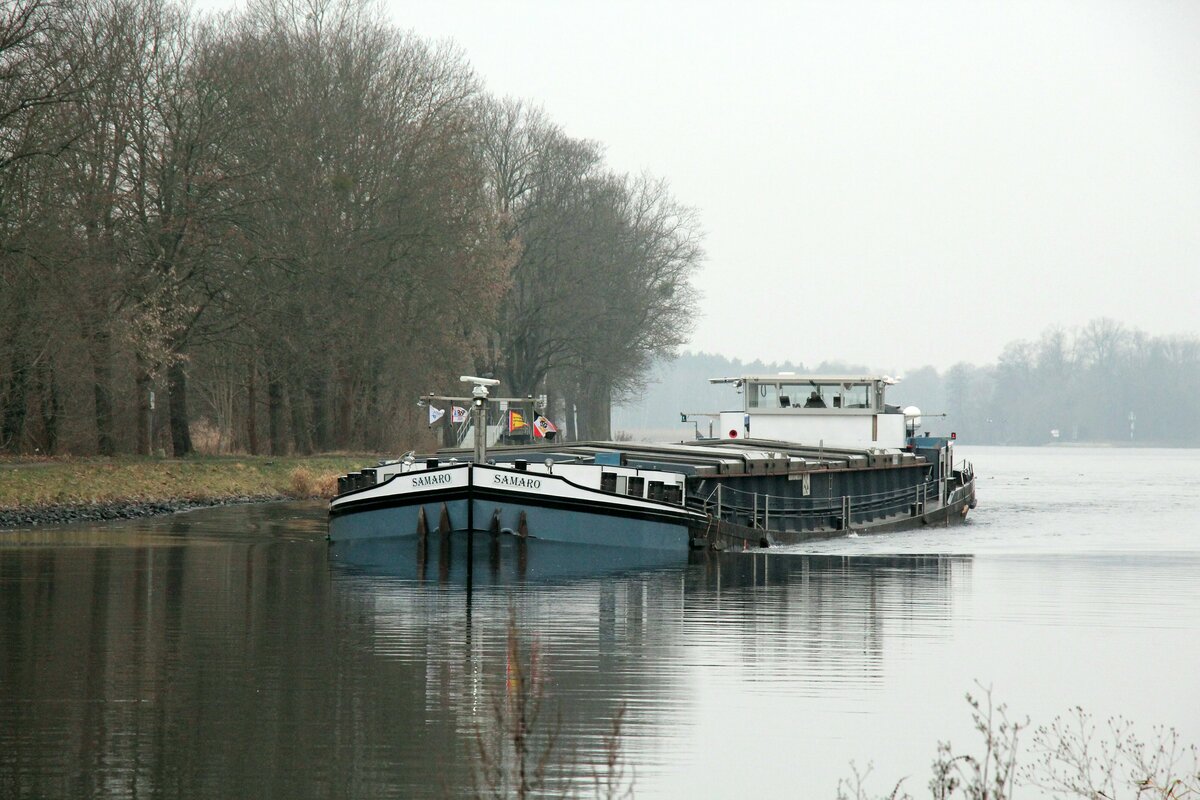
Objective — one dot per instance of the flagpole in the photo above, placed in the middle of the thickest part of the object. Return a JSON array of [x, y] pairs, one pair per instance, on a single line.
[[448, 427]]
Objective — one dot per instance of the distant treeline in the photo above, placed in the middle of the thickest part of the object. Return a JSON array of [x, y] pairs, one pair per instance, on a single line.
[[1101, 383], [1083, 384], [285, 224]]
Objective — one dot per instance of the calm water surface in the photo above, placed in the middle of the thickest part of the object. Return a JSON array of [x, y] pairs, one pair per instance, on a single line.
[[231, 653]]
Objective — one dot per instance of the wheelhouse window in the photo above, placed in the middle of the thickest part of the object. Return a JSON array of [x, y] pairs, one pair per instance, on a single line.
[[856, 395], [816, 396], [763, 395], [825, 395], [801, 394], [795, 393]]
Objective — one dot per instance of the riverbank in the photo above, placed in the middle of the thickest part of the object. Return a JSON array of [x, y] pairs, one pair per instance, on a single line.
[[55, 491]]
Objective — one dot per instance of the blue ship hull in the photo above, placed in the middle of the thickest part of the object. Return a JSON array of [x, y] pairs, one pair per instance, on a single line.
[[552, 524], [469, 500]]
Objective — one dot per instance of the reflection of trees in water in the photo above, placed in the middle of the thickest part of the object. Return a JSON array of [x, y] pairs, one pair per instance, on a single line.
[[793, 623], [818, 622], [185, 671], [247, 668], [601, 640]]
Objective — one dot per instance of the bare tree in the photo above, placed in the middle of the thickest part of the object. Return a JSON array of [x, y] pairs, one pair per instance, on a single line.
[[306, 198], [36, 73], [601, 283], [37, 76], [371, 194]]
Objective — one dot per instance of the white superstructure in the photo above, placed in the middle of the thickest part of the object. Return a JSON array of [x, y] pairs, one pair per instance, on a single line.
[[839, 411]]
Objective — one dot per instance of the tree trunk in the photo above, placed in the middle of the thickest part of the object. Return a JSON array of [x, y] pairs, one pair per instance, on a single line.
[[101, 351], [373, 426], [15, 403], [51, 407], [345, 409], [593, 407], [142, 389], [301, 436], [601, 410], [252, 409], [570, 429], [318, 396], [275, 416], [181, 436]]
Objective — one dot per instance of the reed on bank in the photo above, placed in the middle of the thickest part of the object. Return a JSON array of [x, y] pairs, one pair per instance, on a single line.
[[1075, 756]]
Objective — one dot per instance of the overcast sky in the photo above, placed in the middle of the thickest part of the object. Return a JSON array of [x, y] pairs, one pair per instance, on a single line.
[[891, 183], [888, 183]]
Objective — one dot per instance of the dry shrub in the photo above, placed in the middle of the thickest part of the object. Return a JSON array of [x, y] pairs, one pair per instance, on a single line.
[[327, 485], [1074, 756], [207, 439], [305, 484]]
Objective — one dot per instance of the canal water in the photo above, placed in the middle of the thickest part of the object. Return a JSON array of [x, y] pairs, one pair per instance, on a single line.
[[231, 652]]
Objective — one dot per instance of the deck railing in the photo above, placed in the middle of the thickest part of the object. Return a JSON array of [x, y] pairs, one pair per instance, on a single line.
[[774, 512]]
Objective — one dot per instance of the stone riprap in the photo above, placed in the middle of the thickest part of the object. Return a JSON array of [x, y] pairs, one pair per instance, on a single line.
[[32, 516]]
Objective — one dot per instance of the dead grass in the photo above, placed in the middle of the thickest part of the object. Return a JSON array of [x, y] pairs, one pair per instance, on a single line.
[[96, 480], [307, 484]]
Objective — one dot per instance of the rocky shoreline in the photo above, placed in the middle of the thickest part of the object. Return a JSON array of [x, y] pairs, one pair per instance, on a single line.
[[33, 516]]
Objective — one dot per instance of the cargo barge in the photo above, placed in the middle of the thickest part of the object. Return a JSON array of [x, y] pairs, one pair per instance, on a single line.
[[805, 457]]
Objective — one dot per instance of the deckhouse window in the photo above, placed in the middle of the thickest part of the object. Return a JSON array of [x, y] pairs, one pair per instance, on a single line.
[[764, 395], [795, 393], [856, 395], [799, 393]]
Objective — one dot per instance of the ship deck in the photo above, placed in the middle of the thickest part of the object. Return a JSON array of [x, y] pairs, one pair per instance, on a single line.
[[703, 458]]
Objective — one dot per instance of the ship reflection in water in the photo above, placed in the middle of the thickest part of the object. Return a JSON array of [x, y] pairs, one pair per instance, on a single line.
[[485, 559], [176, 658], [233, 653], [671, 638]]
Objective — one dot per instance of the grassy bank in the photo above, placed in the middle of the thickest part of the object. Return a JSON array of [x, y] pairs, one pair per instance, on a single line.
[[35, 484]]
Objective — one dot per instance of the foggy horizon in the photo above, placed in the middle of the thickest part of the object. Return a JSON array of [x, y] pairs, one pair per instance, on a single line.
[[898, 371]]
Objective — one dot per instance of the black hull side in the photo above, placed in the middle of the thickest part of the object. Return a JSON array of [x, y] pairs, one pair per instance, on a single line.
[[721, 534]]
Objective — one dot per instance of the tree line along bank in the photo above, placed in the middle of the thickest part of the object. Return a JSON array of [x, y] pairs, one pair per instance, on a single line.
[[272, 230]]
